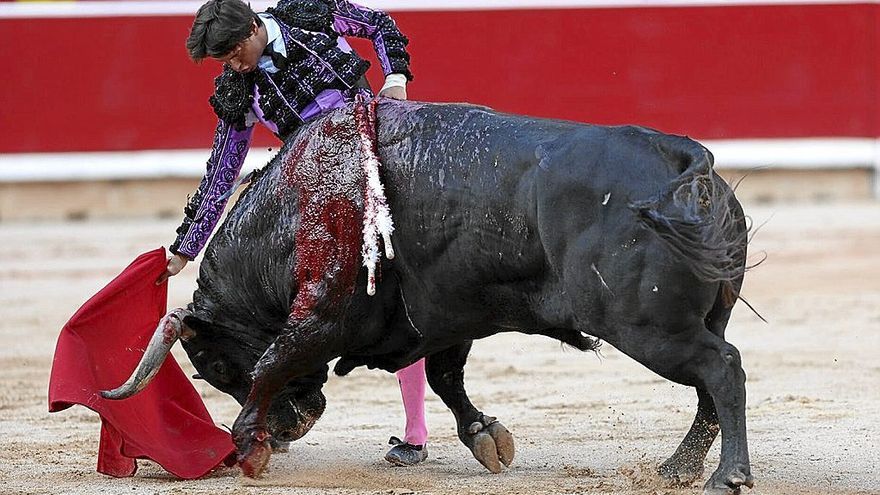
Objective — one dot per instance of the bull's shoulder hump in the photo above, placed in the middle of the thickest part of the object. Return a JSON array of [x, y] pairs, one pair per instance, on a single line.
[[395, 109], [399, 109]]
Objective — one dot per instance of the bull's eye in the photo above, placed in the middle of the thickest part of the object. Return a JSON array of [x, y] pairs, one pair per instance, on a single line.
[[219, 368]]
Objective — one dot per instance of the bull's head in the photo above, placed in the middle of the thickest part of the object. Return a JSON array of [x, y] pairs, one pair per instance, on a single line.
[[225, 359]]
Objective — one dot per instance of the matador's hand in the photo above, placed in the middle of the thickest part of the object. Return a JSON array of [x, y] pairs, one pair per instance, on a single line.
[[396, 92], [175, 264]]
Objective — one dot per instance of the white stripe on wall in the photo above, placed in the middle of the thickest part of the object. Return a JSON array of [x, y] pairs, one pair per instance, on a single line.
[[804, 153], [26, 10], [113, 165]]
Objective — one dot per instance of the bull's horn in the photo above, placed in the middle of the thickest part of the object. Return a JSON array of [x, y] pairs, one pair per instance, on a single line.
[[170, 329]]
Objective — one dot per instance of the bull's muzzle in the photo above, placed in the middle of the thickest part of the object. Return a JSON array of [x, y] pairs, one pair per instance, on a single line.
[[170, 329]]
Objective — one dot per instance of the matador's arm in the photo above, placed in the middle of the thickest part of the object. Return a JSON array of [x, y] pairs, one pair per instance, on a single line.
[[204, 208], [350, 19]]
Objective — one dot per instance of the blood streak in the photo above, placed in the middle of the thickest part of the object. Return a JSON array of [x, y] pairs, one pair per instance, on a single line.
[[169, 332], [324, 165]]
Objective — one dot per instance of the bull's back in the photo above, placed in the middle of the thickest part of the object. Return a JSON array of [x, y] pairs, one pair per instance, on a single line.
[[492, 210], [467, 173], [460, 180]]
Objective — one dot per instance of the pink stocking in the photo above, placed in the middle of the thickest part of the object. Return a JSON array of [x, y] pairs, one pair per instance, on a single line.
[[412, 388]]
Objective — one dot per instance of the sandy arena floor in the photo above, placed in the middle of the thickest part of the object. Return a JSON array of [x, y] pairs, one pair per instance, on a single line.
[[583, 423]]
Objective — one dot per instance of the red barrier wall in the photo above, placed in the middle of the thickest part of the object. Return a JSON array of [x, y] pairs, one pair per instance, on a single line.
[[80, 84]]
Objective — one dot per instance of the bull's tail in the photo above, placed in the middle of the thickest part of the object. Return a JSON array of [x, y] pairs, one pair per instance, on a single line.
[[699, 219]]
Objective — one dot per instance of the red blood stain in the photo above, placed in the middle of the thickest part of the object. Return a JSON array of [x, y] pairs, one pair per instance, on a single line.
[[325, 166], [169, 333]]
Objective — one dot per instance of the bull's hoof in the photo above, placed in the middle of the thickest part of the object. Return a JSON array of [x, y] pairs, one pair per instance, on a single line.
[[730, 483], [254, 456], [492, 444], [678, 473]]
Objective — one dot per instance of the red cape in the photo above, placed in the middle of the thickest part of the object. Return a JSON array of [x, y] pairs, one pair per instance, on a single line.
[[98, 349]]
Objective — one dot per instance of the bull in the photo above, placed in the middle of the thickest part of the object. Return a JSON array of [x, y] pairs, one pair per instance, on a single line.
[[503, 223]]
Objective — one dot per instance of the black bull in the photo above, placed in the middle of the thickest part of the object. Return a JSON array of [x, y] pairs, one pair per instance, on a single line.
[[502, 223]]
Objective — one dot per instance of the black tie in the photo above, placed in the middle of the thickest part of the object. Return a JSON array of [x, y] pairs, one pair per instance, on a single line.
[[279, 60]]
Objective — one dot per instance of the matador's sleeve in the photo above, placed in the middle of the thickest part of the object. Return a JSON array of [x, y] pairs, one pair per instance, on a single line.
[[204, 208], [350, 19]]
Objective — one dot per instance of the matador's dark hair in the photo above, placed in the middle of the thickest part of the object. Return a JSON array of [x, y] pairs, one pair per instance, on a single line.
[[219, 26]]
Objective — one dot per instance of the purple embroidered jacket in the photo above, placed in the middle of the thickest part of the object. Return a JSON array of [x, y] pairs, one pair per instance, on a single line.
[[232, 141]]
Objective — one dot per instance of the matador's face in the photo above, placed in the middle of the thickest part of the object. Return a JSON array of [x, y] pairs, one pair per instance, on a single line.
[[246, 55]]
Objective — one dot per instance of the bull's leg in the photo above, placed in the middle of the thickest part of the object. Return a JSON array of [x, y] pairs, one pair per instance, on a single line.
[[297, 352], [686, 464], [487, 439], [702, 359], [722, 376]]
